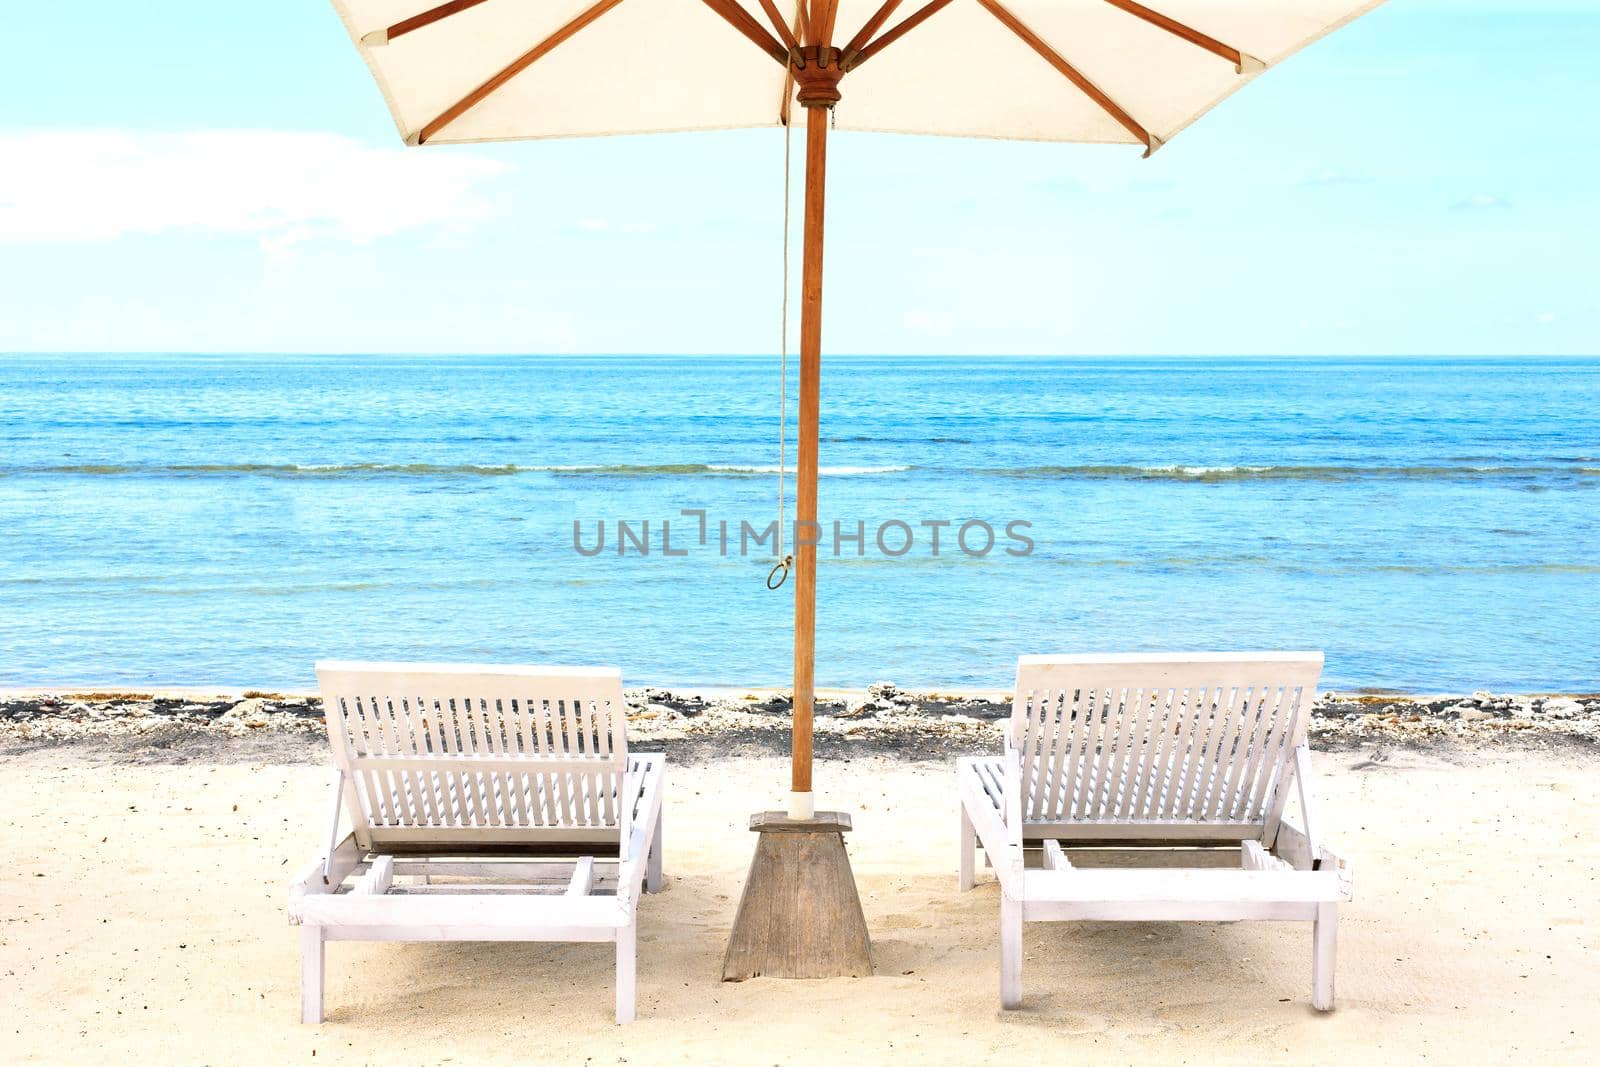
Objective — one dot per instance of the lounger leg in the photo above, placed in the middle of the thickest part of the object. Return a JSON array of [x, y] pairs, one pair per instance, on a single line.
[[1010, 952], [652, 867], [968, 852], [312, 955], [1322, 954], [627, 964]]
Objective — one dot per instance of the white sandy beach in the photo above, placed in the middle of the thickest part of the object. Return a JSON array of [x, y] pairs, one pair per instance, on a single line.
[[144, 920]]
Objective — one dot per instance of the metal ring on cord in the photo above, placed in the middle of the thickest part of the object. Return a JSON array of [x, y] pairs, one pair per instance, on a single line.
[[782, 565]]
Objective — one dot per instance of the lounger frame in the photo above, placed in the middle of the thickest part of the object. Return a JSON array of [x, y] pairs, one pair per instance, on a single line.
[[485, 803], [1149, 762]]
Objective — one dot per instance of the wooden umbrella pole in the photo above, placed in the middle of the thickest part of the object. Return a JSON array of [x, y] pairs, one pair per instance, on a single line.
[[800, 914], [807, 531]]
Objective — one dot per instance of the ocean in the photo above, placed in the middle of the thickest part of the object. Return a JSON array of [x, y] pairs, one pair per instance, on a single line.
[[1431, 524]]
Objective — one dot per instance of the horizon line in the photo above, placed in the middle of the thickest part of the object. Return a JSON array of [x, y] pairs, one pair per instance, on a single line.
[[377, 354]]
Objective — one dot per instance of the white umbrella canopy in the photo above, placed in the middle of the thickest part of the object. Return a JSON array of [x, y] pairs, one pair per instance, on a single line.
[[1095, 71]]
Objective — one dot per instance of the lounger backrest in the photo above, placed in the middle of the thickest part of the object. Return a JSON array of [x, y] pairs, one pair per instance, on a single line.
[[1147, 747], [475, 754]]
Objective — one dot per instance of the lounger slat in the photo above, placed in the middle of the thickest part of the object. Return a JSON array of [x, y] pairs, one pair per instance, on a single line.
[[377, 740], [524, 725], [1170, 786], [1262, 705], [1073, 709], [422, 744], [1118, 740], [1186, 885], [410, 782], [1205, 763], [1034, 787], [566, 783], [539, 712], [602, 714], [1220, 752], [1127, 740], [1197, 719], [1259, 772], [1229, 804], [1216, 728], [1061, 703], [1080, 747], [1162, 724], [1161, 757], [1087, 751], [481, 714], [1083, 804], [453, 743], [1137, 759], [1265, 714], [498, 913]]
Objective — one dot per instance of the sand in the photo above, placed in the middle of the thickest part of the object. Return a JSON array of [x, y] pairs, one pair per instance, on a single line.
[[143, 919]]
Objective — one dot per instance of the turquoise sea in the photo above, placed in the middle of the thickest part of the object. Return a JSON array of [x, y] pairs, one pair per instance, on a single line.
[[1432, 524]]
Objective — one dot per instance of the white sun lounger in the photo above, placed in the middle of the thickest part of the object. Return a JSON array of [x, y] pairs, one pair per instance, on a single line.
[[1117, 766], [485, 804]]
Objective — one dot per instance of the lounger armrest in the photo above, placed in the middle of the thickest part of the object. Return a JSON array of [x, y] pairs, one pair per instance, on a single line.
[[1013, 808], [314, 878], [1000, 843], [1312, 850], [628, 842], [644, 782], [308, 881], [1332, 861], [630, 866], [1294, 848]]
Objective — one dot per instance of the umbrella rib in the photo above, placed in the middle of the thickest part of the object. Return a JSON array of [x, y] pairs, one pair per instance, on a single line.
[[1056, 60], [517, 66], [901, 28], [427, 18], [1178, 29], [823, 16], [740, 19], [779, 24], [863, 35], [786, 103]]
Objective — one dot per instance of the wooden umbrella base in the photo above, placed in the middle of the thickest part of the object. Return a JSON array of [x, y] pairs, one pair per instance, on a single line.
[[800, 915]]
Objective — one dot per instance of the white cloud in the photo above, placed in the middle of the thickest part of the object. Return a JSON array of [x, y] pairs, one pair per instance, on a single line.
[[280, 187], [1545, 318]]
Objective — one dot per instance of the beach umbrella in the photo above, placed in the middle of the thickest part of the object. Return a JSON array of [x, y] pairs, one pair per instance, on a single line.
[[1093, 71]]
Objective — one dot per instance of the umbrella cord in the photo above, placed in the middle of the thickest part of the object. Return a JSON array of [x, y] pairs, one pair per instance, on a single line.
[[784, 561]]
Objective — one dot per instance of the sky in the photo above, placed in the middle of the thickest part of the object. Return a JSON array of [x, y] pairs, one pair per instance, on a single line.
[[195, 176]]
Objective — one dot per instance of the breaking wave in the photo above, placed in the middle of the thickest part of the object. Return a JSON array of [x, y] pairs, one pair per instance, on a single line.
[[1086, 472], [424, 470], [1177, 473], [645, 470]]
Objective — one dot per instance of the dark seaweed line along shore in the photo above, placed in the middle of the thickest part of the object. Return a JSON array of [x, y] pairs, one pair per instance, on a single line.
[[884, 718]]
